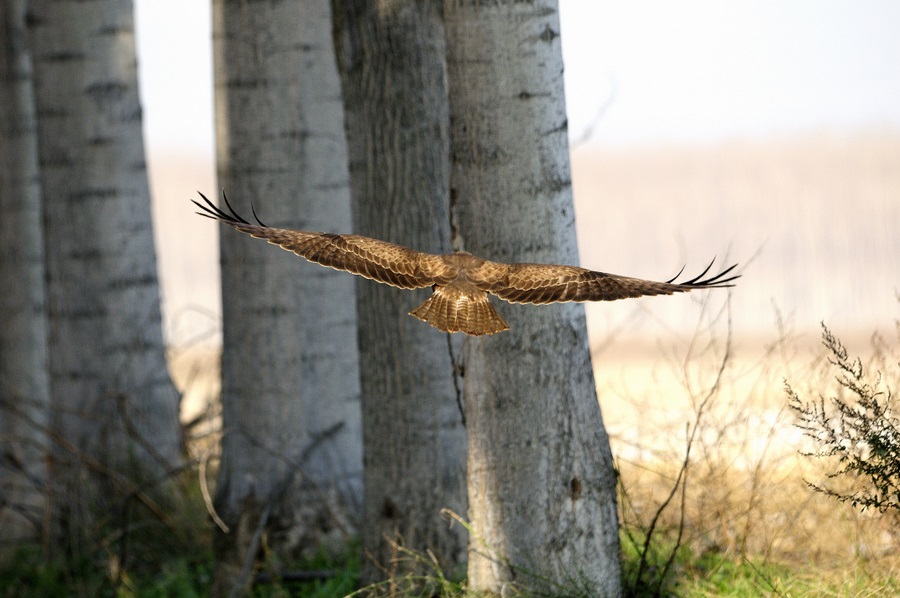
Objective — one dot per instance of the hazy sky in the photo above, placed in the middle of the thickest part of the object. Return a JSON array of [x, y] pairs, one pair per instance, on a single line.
[[707, 70], [676, 73]]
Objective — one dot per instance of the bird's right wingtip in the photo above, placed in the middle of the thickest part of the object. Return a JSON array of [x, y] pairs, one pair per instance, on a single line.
[[717, 281]]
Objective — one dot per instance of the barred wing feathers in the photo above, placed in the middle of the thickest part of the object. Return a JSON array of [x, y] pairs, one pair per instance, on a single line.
[[540, 283], [460, 280], [378, 260]]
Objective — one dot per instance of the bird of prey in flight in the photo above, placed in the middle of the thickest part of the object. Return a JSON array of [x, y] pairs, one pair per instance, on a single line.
[[461, 281]]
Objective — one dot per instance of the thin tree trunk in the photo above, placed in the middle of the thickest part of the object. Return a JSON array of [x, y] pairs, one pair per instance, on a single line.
[[392, 61], [292, 446], [542, 500], [24, 382], [113, 404]]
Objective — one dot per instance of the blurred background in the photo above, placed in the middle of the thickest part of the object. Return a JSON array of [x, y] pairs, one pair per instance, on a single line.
[[762, 133], [766, 133]]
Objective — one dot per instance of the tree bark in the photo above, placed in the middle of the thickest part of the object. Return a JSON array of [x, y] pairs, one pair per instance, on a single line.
[[292, 446], [392, 61], [542, 501], [113, 405], [24, 381]]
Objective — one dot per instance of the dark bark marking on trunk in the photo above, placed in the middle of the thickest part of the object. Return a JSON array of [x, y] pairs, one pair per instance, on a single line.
[[390, 510], [458, 372], [575, 488], [548, 35]]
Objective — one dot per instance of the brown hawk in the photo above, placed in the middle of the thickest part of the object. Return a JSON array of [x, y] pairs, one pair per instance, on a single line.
[[461, 281]]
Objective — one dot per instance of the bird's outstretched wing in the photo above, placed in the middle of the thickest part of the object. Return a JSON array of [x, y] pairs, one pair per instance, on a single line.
[[461, 281], [379, 260], [539, 283]]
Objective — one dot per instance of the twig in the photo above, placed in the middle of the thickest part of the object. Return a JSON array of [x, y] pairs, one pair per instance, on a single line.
[[207, 498], [588, 131], [681, 518], [682, 473], [126, 510], [237, 589], [295, 467], [121, 400], [279, 493]]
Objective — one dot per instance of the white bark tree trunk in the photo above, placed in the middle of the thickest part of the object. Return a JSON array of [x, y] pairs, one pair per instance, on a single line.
[[112, 400], [392, 61], [542, 500], [24, 381], [292, 447]]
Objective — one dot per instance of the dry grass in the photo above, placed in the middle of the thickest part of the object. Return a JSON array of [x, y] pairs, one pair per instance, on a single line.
[[743, 495], [745, 499], [196, 372]]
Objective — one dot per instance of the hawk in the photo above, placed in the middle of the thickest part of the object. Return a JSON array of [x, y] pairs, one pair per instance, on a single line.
[[461, 281]]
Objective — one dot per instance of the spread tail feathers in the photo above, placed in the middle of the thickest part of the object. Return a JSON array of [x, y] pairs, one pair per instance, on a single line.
[[456, 309]]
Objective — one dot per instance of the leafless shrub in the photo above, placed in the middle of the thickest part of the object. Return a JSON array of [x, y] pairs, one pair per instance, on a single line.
[[707, 456], [857, 427]]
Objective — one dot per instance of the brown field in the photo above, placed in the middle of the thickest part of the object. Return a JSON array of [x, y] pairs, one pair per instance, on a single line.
[[812, 220]]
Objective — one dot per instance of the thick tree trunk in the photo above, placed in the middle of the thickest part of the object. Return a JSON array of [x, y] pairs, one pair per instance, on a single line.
[[24, 381], [113, 404], [542, 500], [391, 56], [292, 448]]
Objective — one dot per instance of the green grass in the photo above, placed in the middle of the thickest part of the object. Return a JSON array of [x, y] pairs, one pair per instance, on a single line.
[[27, 573], [711, 573], [707, 574], [746, 579], [346, 569]]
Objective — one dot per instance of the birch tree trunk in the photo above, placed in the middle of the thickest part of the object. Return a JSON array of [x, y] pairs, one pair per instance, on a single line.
[[24, 382], [392, 61], [113, 404], [542, 500], [292, 448]]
